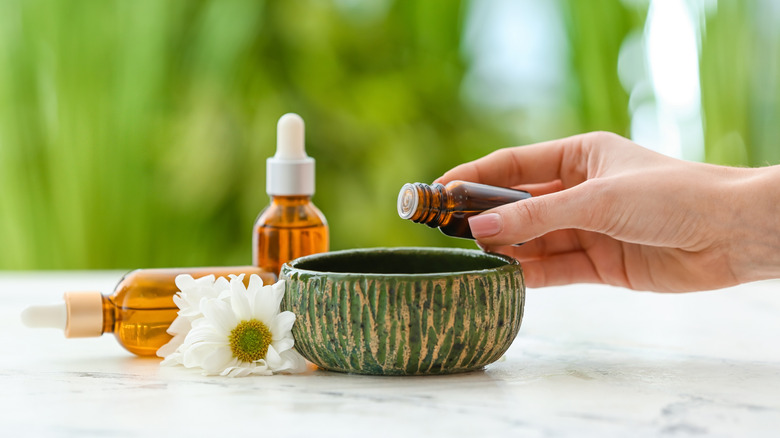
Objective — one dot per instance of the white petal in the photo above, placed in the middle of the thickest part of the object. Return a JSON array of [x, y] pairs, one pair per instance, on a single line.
[[273, 359], [255, 282], [188, 301], [220, 315], [172, 360], [282, 324], [168, 349], [239, 301], [263, 307], [234, 372], [222, 284], [204, 333], [232, 364], [192, 357], [225, 295], [189, 306], [283, 344], [197, 322], [203, 353], [297, 364], [184, 281], [255, 287], [218, 360], [278, 290], [262, 370], [179, 300], [180, 325], [205, 281], [243, 371], [288, 361]]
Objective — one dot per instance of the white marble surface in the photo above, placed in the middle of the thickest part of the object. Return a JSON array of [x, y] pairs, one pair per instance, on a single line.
[[589, 361]]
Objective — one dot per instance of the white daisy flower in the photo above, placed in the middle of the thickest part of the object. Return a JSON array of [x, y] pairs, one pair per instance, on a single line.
[[192, 291], [241, 331]]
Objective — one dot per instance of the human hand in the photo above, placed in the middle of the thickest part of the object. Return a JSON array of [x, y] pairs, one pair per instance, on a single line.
[[606, 210]]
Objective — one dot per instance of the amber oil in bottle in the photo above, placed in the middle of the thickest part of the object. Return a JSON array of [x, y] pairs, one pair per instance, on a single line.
[[138, 312], [448, 207], [291, 226]]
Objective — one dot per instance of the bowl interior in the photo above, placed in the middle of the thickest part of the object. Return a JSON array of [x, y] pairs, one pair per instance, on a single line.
[[400, 261]]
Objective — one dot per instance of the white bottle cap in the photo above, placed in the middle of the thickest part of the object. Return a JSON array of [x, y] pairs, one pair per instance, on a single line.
[[408, 201], [80, 316], [290, 172]]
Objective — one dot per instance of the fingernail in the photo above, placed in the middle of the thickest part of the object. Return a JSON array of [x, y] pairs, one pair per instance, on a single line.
[[485, 225]]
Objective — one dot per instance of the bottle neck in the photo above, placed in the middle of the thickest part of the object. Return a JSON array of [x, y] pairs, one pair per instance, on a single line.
[[424, 203], [290, 200], [109, 315]]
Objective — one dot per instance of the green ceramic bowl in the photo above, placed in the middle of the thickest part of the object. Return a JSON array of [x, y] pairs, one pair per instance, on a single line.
[[404, 311]]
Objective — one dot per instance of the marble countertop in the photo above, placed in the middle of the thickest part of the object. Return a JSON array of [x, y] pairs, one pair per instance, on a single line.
[[589, 361]]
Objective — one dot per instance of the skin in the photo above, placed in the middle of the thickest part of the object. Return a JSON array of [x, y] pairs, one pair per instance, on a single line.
[[606, 210]]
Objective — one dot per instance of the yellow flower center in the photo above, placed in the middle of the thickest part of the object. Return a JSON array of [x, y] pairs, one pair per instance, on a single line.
[[249, 341]]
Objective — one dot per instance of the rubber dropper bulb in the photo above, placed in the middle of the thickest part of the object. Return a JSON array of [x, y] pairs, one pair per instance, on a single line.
[[290, 172], [47, 316], [290, 134]]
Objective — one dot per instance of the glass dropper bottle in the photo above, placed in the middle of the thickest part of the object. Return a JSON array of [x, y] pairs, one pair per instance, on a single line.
[[138, 312], [448, 207], [291, 226]]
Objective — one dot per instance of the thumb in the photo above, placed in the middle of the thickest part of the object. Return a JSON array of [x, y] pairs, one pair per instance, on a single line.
[[524, 220]]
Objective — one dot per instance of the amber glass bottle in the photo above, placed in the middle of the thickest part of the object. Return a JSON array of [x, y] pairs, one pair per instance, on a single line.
[[138, 312], [291, 226], [449, 207]]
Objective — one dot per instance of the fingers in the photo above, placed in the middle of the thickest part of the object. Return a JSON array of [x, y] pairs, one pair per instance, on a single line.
[[525, 220], [558, 269], [541, 188], [537, 163], [557, 242], [567, 268]]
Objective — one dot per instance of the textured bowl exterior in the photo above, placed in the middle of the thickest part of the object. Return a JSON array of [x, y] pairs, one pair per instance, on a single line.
[[405, 324]]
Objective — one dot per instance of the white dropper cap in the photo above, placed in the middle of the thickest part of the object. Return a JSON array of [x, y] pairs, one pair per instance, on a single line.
[[50, 316], [290, 172], [80, 316]]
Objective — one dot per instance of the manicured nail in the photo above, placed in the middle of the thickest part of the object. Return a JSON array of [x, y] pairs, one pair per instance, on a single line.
[[485, 225]]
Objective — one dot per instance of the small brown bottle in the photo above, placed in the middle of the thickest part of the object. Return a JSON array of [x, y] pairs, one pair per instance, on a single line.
[[291, 226], [138, 312], [449, 207]]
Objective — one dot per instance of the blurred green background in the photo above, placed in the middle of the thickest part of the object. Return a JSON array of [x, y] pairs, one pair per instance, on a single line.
[[135, 133]]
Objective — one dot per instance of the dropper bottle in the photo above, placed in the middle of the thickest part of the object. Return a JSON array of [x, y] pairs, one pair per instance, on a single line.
[[291, 226], [449, 207], [138, 312]]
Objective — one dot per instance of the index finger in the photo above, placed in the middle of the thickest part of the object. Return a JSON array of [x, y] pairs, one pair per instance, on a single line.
[[535, 163]]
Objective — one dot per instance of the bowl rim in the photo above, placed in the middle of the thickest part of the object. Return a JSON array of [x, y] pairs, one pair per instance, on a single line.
[[290, 267]]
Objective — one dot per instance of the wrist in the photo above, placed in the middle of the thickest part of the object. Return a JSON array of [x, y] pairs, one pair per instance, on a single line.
[[756, 251]]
